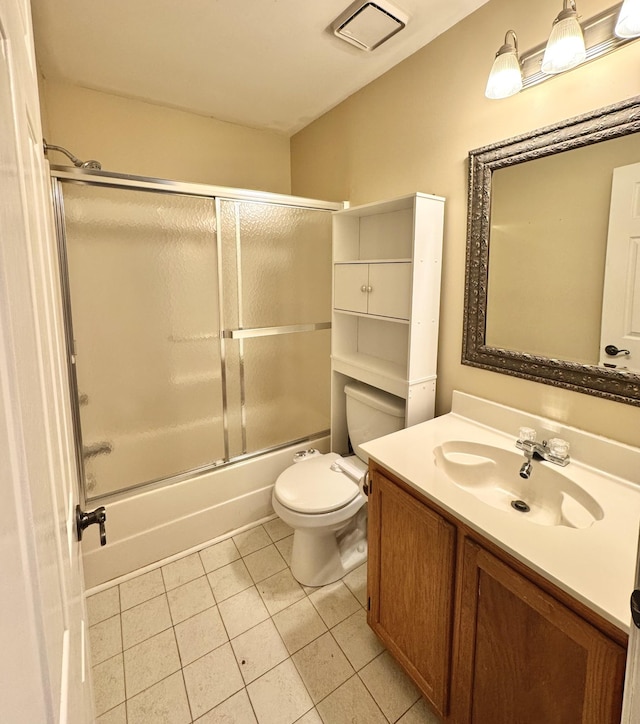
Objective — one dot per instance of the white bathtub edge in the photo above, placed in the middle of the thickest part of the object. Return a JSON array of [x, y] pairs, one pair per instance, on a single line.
[[152, 548]]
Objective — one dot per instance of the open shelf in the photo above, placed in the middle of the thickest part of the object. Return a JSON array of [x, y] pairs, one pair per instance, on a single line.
[[394, 320], [384, 375]]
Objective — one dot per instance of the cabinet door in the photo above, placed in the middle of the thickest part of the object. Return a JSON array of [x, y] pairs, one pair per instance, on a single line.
[[390, 289], [410, 586], [350, 283], [524, 657]]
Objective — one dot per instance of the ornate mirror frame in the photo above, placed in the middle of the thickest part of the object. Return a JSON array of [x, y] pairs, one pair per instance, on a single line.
[[610, 122]]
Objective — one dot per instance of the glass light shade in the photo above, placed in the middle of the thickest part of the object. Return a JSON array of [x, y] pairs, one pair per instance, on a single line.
[[628, 25], [565, 48], [505, 78]]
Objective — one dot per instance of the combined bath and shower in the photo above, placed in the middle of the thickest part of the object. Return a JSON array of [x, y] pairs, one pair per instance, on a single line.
[[91, 164]]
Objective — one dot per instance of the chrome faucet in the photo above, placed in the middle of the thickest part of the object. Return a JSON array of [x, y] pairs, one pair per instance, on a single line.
[[554, 451]]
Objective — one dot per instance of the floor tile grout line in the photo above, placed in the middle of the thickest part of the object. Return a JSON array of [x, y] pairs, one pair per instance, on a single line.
[[216, 604], [229, 640], [270, 617], [364, 683], [186, 692]]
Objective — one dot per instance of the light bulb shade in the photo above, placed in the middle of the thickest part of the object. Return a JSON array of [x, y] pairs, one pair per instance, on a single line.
[[565, 48], [505, 78], [628, 25]]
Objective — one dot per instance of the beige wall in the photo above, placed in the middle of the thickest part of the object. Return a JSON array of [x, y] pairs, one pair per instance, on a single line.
[[411, 130], [129, 136]]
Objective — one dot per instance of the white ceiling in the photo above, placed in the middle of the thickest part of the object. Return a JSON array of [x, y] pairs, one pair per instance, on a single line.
[[262, 63]]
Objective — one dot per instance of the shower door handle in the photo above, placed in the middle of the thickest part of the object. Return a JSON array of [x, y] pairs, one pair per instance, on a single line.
[[252, 332], [84, 520]]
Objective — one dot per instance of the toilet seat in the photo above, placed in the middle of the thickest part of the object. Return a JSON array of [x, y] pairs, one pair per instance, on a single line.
[[314, 487]]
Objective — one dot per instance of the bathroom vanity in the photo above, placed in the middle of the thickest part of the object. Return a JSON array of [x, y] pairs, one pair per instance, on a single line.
[[496, 616]]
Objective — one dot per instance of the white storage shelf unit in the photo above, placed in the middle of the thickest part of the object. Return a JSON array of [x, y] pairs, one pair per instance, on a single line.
[[387, 268]]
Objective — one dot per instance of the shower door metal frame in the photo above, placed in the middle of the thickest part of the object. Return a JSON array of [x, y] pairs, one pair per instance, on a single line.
[[216, 194]]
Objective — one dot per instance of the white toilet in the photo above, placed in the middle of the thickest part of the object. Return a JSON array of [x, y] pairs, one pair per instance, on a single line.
[[321, 497]]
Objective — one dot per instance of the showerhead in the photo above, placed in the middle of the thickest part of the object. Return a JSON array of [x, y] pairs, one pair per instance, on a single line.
[[92, 165]]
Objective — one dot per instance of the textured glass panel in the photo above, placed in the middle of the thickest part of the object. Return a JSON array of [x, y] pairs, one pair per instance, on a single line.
[[228, 237], [284, 256], [144, 299], [286, 387]]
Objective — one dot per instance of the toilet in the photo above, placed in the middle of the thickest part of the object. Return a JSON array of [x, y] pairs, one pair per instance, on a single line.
[[321, 498]]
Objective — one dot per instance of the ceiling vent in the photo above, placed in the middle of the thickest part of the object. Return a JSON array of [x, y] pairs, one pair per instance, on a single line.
[[369, 24]]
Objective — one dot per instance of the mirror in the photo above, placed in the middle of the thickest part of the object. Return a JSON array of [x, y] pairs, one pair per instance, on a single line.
[[536, 247]]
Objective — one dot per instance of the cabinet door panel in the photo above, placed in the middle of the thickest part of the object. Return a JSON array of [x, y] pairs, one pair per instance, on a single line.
[[390, 290], [524, 657], [411, 581], [349, 279]]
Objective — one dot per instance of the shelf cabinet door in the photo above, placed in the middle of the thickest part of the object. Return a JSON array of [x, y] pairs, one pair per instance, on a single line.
[[411, 576], [350, 287], [524, 657], [382, 289], [390, 290]]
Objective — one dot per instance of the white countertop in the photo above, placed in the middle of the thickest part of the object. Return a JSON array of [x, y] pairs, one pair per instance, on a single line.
[[596, 565]]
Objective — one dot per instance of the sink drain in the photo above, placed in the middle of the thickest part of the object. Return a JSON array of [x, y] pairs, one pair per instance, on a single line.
[[520, 506]]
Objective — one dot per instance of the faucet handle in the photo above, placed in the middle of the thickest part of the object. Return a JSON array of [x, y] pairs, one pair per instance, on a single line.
[[558, 447], [527, 433]]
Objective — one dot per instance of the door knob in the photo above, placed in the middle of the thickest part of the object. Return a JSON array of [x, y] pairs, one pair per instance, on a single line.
[[613, 351], [635, 607], [84, 520]]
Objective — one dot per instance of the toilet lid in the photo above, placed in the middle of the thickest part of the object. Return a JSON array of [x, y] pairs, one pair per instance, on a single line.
[[313, 487]]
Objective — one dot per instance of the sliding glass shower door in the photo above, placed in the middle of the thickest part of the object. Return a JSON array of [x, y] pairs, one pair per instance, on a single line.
[[142, 273], [199, 326], [276, 263]]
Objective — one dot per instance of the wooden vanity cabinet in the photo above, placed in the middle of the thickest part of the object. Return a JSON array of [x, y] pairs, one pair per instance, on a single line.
[[522, 656], [484, 638], [411, 575]]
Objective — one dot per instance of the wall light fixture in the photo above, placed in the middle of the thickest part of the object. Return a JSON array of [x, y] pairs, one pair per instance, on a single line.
[[505, 78], [597, 36], [628, 25], [565, 47]]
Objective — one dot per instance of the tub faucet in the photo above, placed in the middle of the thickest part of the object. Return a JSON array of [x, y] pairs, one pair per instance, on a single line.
[[554, 451]]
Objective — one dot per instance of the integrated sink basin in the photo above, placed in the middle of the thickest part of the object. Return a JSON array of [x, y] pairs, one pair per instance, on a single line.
[[491, 474]]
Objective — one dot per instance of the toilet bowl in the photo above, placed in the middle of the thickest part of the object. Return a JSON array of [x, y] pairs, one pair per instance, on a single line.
[[327, 510], [321, 498]]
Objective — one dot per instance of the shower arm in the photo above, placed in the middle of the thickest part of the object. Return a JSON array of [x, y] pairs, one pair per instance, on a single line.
[[95, 165]]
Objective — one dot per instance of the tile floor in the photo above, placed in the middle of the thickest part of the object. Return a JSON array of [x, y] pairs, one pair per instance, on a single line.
[[227, 635]]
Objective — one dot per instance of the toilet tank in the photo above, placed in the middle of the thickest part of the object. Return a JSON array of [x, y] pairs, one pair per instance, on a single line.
[[371, 413]]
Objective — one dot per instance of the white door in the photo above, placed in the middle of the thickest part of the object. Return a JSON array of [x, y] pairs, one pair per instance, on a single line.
[[621, 300], [42, 669]]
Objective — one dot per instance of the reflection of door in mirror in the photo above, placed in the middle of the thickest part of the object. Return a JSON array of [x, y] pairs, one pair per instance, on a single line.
[[547, 247], [621, 299]]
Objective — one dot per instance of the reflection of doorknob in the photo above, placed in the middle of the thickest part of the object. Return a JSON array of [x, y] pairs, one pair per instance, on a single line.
[[613, 351]]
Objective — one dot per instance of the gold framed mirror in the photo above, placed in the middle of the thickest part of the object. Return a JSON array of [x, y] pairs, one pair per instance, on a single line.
[[538, 215]]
